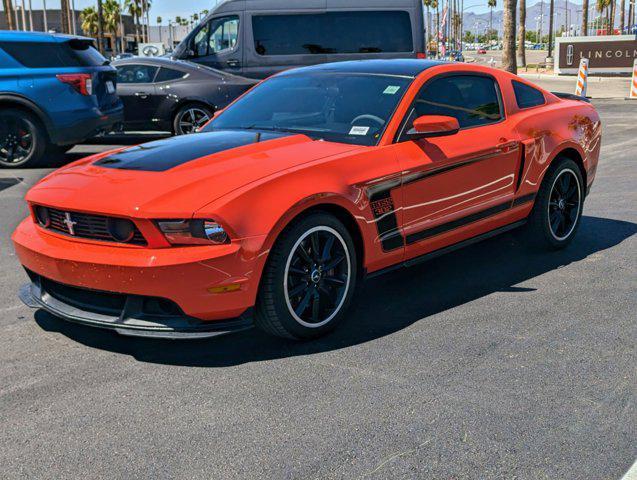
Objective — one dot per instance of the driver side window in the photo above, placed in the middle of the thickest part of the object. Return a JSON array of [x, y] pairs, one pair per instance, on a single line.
[[473, 100], [217, 35]]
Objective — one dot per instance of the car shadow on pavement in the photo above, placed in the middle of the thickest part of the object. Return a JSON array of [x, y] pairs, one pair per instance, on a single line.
[[385, 305]]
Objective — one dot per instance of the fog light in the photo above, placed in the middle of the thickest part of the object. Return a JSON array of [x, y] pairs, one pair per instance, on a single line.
[[42, 215], [121, 229]]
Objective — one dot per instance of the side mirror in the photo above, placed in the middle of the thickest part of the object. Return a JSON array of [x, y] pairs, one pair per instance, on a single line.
[[433, 126]]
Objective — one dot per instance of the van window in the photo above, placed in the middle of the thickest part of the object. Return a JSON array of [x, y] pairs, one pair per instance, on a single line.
[[333, 32], [215, 36]]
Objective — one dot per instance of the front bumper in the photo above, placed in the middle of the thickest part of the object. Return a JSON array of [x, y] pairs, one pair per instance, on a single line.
[[194, 277], [130, 315]]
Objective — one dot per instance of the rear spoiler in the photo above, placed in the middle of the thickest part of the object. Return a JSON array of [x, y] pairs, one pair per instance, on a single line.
[[570, 96]]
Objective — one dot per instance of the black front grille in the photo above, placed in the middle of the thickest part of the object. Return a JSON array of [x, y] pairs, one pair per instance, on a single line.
[[94, 227]]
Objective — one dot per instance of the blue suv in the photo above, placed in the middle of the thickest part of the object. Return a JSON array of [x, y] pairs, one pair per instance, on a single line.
[[55, 91]]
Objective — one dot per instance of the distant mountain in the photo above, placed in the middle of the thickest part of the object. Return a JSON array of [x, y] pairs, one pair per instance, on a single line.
[[480, 21]]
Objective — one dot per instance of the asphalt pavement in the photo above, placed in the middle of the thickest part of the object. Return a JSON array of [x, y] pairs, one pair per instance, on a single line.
[[490, 362]]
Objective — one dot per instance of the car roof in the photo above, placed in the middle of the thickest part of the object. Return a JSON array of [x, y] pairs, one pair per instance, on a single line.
[[168, 62], [407, 67], [11, 36]]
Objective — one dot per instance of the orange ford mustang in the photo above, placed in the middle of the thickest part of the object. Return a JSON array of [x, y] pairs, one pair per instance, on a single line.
[[274, 212]]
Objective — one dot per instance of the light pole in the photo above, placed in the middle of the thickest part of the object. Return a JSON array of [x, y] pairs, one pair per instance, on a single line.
[[46, 23]]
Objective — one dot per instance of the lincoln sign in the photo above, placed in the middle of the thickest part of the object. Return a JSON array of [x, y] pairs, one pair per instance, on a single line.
[[606, 54]]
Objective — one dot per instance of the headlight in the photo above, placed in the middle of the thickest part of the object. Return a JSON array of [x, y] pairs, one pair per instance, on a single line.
[[193, 232]]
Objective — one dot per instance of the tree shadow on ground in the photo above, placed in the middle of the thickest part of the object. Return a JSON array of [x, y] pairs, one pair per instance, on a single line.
[[385, 305]]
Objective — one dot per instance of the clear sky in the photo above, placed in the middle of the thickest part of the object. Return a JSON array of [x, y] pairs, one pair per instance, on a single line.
[[169, 9]]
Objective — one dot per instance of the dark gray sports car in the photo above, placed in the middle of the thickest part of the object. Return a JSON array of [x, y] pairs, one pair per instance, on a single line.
[[169, 95]]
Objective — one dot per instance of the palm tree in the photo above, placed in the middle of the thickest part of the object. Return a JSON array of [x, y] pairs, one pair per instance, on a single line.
[[427, 4], [88, 17], [135, 11], [584, 28], [112, 15], [64, 12], [8, 10], [46, 23], [508, 36], [146, 7], [551, 10], [622, 13], [521, 53], [602, 6], [100, 26], [492, 4], [159, 20]]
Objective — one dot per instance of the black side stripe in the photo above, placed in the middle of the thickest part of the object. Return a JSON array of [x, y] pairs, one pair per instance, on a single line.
[[384, 212], [461, 222], [415, 177], [522, 162]]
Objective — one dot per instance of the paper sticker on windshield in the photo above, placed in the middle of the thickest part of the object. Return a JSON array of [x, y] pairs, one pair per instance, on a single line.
[[391, 89], [359, 130]]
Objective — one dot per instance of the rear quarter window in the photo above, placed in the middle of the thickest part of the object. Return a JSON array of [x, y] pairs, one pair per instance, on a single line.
[[54, 55], [526, 96]]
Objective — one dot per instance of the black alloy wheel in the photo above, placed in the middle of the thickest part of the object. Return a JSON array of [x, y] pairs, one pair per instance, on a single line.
[[317, 276], [190, 118], [564, 204], [557, 212], [309, 279], [21, 139]]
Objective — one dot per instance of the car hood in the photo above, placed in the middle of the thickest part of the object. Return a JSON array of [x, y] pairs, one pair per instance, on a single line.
[[179, 175]]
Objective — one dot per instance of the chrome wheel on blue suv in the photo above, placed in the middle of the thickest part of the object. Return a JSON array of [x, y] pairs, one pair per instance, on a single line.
[[55, 91]]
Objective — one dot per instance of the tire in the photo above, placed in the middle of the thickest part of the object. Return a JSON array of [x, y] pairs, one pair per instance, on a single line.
[[553, 206], [190, 117], [295, 278], [23, 140]]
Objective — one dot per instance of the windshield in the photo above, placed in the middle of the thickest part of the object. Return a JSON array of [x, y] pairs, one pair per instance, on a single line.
[[339, 107]]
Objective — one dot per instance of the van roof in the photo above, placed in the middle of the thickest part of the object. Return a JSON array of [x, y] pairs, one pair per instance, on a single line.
[[287, 5], [408, 67]]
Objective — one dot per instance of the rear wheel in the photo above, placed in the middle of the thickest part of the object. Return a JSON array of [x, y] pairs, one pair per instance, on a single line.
[[558, 207], [22, 139], [190, 118], [309, 280]]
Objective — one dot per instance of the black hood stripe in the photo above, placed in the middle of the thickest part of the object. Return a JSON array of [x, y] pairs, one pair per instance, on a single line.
[[164, 154]]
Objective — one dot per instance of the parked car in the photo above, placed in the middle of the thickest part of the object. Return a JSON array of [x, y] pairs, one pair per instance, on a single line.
[[177, 96], [317, 176], [455, 56], [482, 51], [55, 91], [258, 39]]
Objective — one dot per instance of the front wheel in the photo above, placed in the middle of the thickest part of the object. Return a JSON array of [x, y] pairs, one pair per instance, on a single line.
[[309, 280], [558, 207]]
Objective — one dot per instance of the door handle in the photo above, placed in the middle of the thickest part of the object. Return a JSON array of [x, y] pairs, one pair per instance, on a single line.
[[142, 95], [233, 63]]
